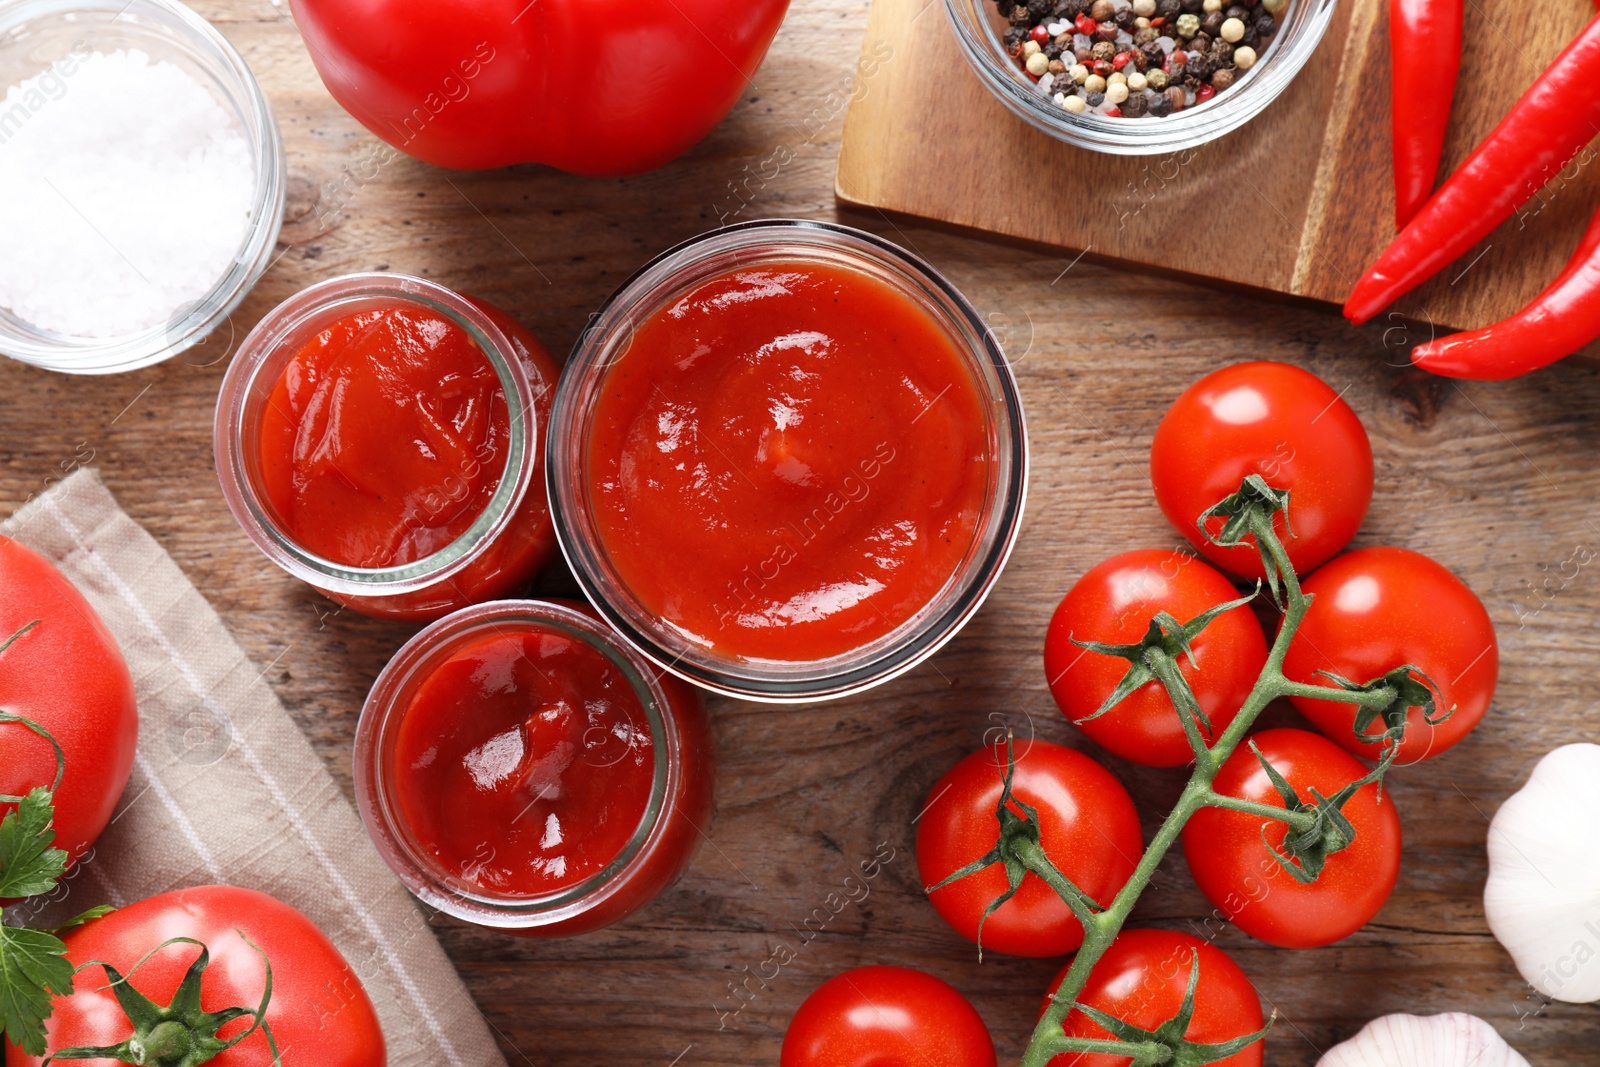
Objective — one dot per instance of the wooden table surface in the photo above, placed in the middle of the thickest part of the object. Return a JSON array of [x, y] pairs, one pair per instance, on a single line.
[[1497, 481]]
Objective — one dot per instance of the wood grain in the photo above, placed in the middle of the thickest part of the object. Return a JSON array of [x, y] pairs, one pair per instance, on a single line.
[[1298, 202], [1496, 481]]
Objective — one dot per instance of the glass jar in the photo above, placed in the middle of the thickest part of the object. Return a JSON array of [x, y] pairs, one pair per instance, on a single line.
[[607, 341], [676, 818], [510, 539], [1301, 26]]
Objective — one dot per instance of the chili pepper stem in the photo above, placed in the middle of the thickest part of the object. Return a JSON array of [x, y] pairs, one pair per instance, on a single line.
[[1048, 1036]]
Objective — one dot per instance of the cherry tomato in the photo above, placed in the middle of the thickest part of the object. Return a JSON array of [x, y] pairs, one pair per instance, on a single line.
[[1087, 825], [67, 675], [1379, 608], [318, 1008], [1114, 603], [1141, 980], [1277, 421], [886, 1017], [1231, 864]]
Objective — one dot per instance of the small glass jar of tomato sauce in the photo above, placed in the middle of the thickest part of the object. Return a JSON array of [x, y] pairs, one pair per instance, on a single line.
[[380, 437], [520, 768], [787, 460]]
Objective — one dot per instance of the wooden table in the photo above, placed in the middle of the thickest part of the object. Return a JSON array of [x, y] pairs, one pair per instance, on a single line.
[[1497, 481]]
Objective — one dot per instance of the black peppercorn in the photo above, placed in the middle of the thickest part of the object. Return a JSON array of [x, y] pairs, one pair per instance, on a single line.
[[1160, 106], [1144, 37], [1200, 67], [1139, 61], [1169, 9], [1152, 53], [1124, 18], [1104, 50], [1212, 23], [1015, 35], [1102, 10], [1177, 98], [1199, 42], [1221, 52], [1236, 12], [1251, 37], [1019, 15], [1095, 99], [1084, 56], [1136, 106], [1191, 7], [1052, 50], [1265, 24], [1223, 79]]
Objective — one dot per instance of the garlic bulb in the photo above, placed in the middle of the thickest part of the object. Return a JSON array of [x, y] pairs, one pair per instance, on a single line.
[[1451, 1040], [1543, 894]]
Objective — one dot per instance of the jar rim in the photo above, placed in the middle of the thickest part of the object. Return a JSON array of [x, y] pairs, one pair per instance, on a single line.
[[910, 642], [261, 357], [387, 703]]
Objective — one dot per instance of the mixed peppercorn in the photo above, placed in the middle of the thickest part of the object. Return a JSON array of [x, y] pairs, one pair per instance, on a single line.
[[1137, 58]]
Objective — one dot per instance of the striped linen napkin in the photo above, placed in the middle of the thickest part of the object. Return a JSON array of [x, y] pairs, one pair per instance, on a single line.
[[226, 790]]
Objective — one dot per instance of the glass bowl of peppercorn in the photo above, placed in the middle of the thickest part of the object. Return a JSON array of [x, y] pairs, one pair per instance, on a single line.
[[1138, 77]]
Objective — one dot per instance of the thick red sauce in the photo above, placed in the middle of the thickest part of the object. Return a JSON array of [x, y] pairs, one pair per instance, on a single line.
[[789, 461], [384, 438], [524, 762]]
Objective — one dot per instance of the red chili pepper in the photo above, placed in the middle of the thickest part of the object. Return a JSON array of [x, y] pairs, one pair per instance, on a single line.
[[1558, 322], [1544, 131], [1425, 57], [487, 83]]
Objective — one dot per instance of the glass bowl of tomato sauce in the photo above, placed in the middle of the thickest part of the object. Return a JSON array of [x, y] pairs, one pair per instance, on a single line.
[[378, 436], [787, 460], [520, 768]]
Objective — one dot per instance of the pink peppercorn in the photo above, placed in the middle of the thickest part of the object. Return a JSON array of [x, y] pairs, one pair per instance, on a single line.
[[1204, 93], [1040, 34], [1175, 58], [1102, 68], [1085, 25]]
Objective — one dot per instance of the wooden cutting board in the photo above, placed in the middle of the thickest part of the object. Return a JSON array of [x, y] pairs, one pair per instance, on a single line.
[[1297, 202]]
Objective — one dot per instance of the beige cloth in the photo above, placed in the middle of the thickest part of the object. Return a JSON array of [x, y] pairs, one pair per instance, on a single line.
[[226, 790]]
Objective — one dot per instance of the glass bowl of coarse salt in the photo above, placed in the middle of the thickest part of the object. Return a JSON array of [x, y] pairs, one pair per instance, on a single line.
[[141, 182]]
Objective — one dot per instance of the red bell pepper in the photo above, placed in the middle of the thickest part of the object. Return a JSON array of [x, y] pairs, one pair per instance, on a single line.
[[1424, 57], [1544, 132], [1561, 320], [589, 88]]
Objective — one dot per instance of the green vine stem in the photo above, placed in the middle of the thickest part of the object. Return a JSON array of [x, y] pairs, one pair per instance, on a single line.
[[1249, 512]]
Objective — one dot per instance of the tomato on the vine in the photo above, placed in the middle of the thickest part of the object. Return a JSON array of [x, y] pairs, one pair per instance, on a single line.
[[1282, 423], [1141, 980], [318, 1007], [67, 675], [1087, 826], [883, 1016], [1231, 864], [1113, 603], [1377, 609]]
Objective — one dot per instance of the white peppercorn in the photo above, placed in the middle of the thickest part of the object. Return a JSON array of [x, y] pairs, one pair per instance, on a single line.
[[1094, 84], [1116, 93], [1137, 82], [1075, 104], [1232, 30], [1079, 73], [1038, 64], [1244, 57]]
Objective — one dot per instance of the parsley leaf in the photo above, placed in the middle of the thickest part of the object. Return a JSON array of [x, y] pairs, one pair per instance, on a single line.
[[29, 864], [33, 965]]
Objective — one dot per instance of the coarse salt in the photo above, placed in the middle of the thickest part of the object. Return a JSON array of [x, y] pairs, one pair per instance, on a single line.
[[125, 194]]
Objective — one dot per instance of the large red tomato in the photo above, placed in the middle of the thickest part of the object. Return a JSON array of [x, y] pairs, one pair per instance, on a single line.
[[886, 1017], [1087, 826], [1380, 608], [67, 675], [1141, 980], [1114, 603], [1231, 864], [1277, 421], [319, 1013]]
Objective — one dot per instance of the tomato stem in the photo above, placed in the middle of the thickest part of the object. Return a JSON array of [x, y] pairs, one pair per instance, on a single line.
[[1250, 512], [1301, 821]]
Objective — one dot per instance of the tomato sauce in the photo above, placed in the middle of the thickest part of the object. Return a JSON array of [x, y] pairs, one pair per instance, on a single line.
[[384, 437], [789, 461], [524, 763]]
